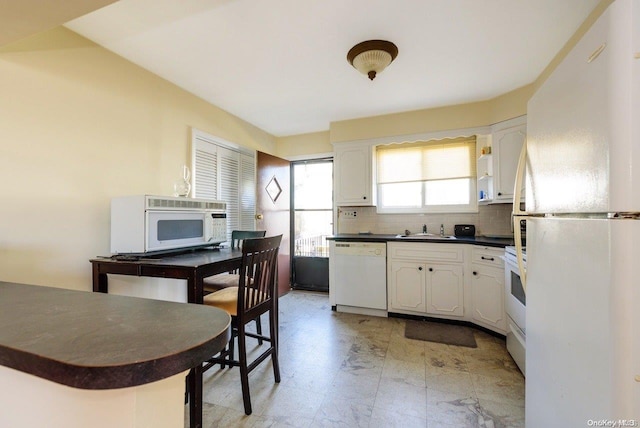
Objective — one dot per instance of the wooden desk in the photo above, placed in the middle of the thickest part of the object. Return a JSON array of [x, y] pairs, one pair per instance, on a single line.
[[193, 266]]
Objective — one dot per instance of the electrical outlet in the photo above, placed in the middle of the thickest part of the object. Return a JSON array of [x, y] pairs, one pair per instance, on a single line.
[[349, 214]]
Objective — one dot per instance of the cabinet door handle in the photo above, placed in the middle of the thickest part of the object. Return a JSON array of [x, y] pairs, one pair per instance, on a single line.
[[364, 197], [487, 258], [420, 268], [430, 269], [499, 193], [475, 273]]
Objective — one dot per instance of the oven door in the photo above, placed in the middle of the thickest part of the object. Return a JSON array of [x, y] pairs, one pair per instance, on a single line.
[[168, 230], [515, 298]]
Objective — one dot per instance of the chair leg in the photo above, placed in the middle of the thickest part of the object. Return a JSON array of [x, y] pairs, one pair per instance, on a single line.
[[259, 329], [273, 327], [186, 389], [231, 353], [244, 371], [223, 355]]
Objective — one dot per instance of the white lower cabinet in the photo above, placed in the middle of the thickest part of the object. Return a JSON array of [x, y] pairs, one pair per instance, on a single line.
[[407, 292], [420, 283], [487, 288], [428, 279], [445, 290]]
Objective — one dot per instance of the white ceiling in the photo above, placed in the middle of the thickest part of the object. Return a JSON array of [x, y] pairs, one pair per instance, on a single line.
[[281, 64]]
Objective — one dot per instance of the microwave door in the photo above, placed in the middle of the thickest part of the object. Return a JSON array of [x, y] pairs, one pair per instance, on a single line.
[[174, 229]]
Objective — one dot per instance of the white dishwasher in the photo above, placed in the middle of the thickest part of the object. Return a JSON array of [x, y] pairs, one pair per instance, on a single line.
[[358, 277]]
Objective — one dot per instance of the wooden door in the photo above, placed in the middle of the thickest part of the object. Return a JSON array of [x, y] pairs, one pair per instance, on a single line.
[[273, 198]]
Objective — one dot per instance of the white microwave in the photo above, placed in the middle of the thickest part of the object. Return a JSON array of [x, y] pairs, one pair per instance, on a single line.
[[142, 224]]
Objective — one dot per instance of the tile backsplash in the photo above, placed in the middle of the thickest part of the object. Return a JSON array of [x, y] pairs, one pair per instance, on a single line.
[[489, 220]]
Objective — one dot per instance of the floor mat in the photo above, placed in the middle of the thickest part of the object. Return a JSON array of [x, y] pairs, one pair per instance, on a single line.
[[440, 332]]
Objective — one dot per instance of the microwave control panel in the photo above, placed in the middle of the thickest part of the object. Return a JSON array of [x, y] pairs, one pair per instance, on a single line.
[[219, 227]]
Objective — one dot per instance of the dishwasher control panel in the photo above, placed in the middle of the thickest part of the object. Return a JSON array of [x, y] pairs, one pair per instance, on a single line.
[[361, 248]]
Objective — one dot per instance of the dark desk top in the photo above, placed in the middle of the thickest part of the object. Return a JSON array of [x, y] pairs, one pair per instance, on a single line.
[[100, 341], [473, 240]]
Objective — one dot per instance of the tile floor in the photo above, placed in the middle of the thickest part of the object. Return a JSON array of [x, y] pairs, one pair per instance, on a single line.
[[345, 370]]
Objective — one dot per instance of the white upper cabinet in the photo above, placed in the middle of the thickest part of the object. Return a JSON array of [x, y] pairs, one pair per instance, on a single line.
[[497, 166], [353, 175]]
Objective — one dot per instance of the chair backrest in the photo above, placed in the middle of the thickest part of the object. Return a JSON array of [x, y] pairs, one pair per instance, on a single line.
[[258, 282], [237, 236]]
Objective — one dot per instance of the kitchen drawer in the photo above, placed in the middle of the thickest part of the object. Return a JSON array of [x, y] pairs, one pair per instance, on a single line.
[[422, 251], [488, 256]]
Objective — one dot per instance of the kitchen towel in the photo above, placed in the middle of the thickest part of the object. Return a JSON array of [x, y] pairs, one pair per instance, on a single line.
[[449, 334]]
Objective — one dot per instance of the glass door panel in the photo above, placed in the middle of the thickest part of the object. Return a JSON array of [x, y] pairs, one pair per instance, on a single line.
[[312, 223]]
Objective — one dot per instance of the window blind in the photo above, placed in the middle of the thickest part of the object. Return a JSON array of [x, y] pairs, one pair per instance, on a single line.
[[205, 177], [247, 192], [225, 172], [426, 160]]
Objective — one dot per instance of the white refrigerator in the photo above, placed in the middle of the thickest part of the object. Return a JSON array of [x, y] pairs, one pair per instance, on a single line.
[[583, 231]]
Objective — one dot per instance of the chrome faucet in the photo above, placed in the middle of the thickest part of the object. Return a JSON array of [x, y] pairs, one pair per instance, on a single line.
[[441, 229], [424, 229]]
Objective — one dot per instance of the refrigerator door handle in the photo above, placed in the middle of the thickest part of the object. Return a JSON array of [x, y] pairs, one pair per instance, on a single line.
[[518, 214], [517, 187]]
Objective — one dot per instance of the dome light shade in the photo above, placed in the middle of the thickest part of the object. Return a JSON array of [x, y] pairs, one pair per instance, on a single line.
[[372, 56]]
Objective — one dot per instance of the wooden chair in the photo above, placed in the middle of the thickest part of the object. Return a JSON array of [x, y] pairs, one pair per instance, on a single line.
[[214, 283], [256, 294], [224, 280]]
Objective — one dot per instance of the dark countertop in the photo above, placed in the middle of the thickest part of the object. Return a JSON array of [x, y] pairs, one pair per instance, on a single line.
[[100, 341], [473, 240]]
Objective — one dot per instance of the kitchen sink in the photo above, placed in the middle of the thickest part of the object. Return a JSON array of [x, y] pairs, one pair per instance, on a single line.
[[421, 236]]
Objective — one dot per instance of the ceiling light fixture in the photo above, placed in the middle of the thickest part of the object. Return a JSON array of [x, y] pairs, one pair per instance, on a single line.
[[372, 56]]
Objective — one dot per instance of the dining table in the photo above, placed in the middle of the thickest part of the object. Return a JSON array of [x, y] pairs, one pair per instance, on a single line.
[[191, 265]]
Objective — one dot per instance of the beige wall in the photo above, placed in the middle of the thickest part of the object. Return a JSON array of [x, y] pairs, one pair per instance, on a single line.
[[303, 145], [79, 125], [510, 105], [507, 106]]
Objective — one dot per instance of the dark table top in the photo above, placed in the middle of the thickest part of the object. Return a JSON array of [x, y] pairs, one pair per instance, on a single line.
[[191, 258], [100, 341], [473, 240]]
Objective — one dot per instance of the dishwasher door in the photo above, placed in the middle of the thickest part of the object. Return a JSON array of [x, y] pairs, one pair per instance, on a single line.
[[359, 274]]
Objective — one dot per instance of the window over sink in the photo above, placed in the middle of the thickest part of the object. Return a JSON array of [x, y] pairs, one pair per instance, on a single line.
[[427, 176]]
